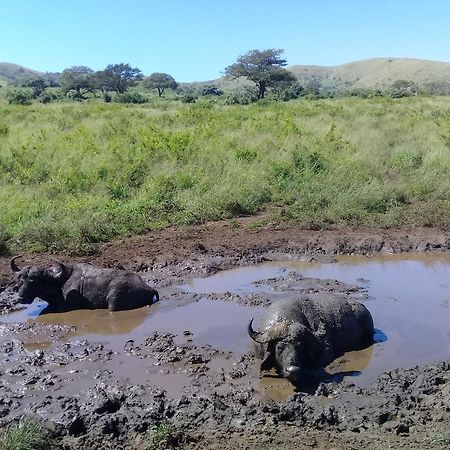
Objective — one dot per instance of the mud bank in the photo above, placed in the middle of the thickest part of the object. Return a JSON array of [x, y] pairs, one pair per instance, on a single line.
[[100, 381]]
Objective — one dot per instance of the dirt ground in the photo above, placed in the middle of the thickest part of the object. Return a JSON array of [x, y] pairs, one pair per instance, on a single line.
[[218, 407]]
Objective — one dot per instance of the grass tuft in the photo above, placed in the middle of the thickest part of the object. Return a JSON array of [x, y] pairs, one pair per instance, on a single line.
[[165, 436], [28, 435]]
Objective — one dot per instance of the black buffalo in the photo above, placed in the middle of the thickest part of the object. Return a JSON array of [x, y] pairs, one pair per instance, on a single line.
[[299, 336], [66, 287]]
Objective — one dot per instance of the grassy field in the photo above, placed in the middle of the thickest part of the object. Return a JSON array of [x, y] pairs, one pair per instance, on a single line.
[[73, 175]]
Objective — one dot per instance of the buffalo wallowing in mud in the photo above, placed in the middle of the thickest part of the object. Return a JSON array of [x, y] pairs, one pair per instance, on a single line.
[[301, 336], [67, 287]]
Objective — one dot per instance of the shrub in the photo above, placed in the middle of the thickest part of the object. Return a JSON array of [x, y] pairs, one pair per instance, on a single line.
[[241, 97], [130, 97], [4, 236], [211, 90], [163, 436], [28, 435], [189, 98], [20, 97]]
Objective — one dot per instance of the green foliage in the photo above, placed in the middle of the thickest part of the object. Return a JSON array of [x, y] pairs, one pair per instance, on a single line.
[[240, 97], [165, 436], [188, 98], [130, 97], [4, 237], [403, 88], [20, 97], [76, 81], [118, 77], [263, 67], [38, 84], [212, 90], [160, 82], [28, 435], [77, 174]]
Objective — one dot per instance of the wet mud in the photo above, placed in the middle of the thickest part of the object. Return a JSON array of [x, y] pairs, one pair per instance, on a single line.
[[102, 380]]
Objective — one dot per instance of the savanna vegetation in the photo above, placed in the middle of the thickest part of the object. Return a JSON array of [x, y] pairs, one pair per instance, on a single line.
[[76, 174]]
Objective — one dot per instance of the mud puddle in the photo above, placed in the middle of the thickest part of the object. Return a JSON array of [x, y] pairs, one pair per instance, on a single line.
[[193, 331], [409, 298]]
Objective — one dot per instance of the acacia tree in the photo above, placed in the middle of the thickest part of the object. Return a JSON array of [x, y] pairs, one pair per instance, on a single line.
[[79, 79], [160, 82], [38, 84], [118, 77], [263, 67]]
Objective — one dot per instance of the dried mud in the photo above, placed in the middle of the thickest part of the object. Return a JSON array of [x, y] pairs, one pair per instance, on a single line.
[[99, 387]]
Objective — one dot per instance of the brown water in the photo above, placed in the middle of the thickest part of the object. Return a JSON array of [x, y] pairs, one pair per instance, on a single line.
[[409, 298], [409, 301]]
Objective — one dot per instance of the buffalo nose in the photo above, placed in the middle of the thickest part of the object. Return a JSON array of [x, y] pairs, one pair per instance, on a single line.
[[154, 299]]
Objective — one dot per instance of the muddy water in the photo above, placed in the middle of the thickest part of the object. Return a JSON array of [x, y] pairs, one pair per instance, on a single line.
[[409, 298]]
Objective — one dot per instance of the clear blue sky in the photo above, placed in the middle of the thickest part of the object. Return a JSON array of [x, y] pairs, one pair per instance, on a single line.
[[196, 39]]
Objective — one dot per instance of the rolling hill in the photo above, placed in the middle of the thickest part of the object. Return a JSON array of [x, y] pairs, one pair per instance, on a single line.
[[13, 73], [378, 73]]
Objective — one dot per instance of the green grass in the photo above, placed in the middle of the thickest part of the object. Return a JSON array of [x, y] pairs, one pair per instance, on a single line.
[[74, 175], [28, 435], [164, 436]]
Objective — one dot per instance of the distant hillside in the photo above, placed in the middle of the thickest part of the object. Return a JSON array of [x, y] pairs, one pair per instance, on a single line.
[[378, 73], [13, 73]]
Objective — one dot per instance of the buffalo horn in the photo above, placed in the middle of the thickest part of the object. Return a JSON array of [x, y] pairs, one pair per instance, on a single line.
[[254, 334], [14, 267], [62, 270]]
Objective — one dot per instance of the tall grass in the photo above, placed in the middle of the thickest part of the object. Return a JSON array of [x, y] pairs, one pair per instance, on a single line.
[[74, 175], [28, 435]]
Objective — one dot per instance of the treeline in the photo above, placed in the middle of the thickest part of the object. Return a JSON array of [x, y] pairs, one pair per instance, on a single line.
[[263, 71]]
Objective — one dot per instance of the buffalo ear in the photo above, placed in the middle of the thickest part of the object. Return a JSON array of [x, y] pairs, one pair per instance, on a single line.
[[268, 361]]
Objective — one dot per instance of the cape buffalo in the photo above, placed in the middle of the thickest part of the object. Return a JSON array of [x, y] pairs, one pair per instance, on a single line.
[[66, 287], [301, 335]]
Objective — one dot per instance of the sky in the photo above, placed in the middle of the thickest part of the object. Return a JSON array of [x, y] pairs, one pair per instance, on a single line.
[[194, 40]]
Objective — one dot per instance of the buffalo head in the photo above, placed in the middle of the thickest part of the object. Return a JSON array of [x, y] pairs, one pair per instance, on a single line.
[[287, 347], [42, 282]]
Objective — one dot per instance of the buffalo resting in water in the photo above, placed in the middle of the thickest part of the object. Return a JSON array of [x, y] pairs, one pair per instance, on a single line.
[[66, 287], [303, 335]]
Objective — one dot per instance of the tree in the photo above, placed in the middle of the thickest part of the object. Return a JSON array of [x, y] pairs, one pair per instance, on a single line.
[[38, 84], [160, 82], [79, 79], [264, 68], [118, 77]]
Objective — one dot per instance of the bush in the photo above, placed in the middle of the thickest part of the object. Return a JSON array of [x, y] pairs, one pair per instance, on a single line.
[[211, 90], [189, 98], [4, 236], [26, 436], [290, 92], [75, 95], [20, 97], [241, 97], [130, 97], [165, 435]]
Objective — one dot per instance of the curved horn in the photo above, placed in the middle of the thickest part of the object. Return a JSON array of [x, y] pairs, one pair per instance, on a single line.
[[255, 334], [62, 270], [14, 266]]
